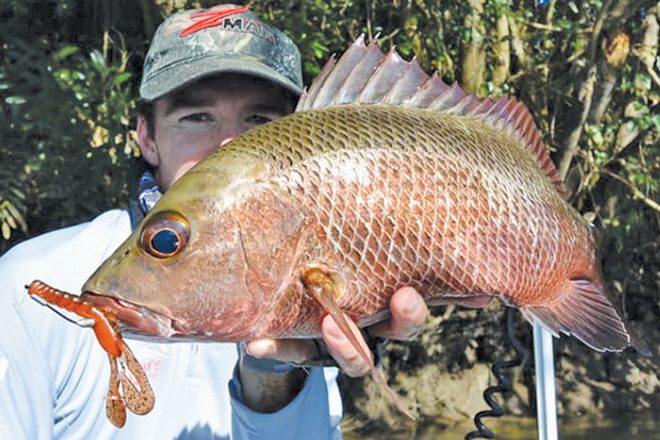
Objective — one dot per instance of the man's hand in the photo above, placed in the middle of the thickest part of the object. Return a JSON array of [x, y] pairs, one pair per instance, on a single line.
[[408, 311], [269, 392]]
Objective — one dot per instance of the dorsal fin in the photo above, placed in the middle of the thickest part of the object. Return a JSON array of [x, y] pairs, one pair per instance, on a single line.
[[366, 75]]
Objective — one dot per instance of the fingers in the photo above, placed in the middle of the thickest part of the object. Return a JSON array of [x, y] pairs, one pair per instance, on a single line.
[[300, 350], [409, 311], [285, 350], [342, 350]]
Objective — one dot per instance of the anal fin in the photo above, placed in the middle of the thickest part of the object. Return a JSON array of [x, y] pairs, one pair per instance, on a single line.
[[323, 289], [585, 312]]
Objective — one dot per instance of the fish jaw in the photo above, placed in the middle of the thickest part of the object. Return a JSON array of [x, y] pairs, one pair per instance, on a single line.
[[143, 322], [134, 318]]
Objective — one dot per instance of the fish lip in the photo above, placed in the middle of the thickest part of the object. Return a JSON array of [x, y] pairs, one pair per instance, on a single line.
[[133, 318]]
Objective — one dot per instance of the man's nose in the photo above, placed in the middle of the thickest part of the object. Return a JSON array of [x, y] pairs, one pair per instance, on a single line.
[[228, 132]]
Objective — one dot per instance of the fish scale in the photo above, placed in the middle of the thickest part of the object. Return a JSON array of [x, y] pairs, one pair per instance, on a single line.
[[335, 202]]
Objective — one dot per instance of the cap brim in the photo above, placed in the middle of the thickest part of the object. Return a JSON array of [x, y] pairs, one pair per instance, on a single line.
[[184, 74]]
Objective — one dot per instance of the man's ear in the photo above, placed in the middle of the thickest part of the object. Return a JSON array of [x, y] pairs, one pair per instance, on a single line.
[[147, 142]]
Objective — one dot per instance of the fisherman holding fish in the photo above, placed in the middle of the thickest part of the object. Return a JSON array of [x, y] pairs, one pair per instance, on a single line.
[[209, 75]]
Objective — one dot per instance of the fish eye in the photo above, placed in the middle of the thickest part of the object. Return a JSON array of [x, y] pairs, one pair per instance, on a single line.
[[165, 234], [165, 241]]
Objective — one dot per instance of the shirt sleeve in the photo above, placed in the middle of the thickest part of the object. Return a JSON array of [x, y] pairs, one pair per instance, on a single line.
[[314, 413]]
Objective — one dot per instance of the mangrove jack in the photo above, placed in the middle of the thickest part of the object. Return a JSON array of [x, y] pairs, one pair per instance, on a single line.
[[384, 177]]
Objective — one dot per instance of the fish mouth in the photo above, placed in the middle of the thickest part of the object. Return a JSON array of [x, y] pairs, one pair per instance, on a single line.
[[134, 319], [144, 323]]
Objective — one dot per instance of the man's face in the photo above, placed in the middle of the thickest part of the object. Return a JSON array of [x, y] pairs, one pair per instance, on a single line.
[[191, 123]]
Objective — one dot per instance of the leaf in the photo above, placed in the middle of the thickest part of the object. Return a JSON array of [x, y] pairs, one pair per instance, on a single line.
[[311, 69], [564, 24], [15, 100], [97, 58], [65, 52], [11, 221], [642, 82], [20, 194], [319, 49], [122, 77], [6, 231], [63, 74], [99, 62], [595, 133], [17, 216]]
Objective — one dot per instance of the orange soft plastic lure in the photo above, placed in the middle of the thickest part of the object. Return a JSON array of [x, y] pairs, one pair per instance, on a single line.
[[125, 391]]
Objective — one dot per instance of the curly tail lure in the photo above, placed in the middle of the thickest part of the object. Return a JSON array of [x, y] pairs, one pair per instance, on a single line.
[[130, 391], [503, 384]]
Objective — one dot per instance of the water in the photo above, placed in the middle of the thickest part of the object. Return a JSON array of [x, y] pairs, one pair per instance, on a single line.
[[638, 426]]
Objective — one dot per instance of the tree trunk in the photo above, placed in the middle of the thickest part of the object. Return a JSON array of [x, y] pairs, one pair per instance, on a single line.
[[502, 50], [474, 56]]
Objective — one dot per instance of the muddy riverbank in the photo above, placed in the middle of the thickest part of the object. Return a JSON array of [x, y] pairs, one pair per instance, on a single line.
[[447, 369]]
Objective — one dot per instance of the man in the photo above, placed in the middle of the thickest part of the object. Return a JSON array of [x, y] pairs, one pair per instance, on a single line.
[[209, 75]]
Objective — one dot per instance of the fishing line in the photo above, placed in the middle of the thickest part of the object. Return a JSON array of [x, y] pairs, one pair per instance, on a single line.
[[503, 384]]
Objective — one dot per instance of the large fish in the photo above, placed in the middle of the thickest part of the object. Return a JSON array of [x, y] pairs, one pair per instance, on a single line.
[[384, 177]]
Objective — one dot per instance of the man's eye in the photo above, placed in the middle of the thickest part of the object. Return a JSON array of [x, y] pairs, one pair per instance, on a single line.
[[197, 117], [258, 119]]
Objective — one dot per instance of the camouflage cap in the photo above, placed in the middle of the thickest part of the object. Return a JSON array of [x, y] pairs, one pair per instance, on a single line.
[[197, 43]]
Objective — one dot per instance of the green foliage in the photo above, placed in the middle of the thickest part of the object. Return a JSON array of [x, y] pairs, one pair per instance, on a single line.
[[419, 28], [65, 134]]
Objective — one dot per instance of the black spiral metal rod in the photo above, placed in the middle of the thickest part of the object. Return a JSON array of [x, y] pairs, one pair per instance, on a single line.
[[503, 384]]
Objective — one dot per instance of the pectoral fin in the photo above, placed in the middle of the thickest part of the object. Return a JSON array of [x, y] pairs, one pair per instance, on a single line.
[[326, 289]]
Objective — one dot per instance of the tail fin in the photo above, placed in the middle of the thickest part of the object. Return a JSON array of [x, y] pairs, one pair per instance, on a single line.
[[586, 313]]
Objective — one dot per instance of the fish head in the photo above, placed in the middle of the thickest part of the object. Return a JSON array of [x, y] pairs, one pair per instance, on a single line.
[[194, 268], [177, 277]]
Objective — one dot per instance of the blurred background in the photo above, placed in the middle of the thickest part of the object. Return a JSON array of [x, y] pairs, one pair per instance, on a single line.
[[587, 70]]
